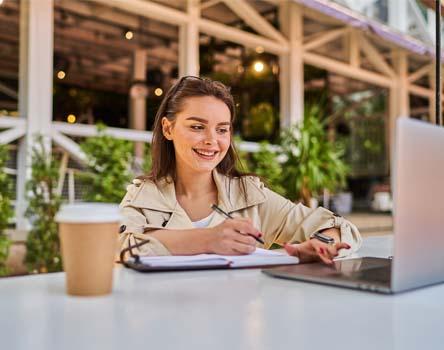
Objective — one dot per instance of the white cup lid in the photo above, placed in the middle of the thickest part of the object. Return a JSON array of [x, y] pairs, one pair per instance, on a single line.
[[79, 213]]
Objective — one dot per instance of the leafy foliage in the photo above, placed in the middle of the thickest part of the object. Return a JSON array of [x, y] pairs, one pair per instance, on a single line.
[[313, 163], [266, 165], [108, 172], [42, 245], [260, 121], [5, 210], [147, 160]]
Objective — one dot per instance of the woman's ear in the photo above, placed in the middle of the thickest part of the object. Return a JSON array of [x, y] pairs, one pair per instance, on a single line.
[[166, 128]]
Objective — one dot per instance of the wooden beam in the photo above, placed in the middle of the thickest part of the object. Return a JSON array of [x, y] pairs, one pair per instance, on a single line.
[[241, 37], [418, 74], [8, 91], [346, 70], [148, 9], [209, 3], [324, 38], [189, 41], [354, 53], [420, 91], [375, 58], [254, 19], [291, 74]]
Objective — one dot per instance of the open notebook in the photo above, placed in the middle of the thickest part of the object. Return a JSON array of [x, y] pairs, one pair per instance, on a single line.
[[260, 257]]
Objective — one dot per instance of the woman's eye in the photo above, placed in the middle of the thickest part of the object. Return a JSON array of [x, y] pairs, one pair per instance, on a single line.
[[197, 127], [222, 131]]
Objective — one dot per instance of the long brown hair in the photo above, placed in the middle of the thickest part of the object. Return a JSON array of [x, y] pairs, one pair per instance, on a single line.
[[162, 151]]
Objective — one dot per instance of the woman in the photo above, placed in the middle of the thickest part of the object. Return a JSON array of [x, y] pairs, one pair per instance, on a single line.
[[169, 210]]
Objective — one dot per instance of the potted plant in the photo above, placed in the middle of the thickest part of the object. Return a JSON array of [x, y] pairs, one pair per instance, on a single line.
[[313, 162]]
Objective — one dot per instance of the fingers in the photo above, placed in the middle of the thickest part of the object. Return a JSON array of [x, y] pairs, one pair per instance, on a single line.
[[245, 227], [242, 249], [244, 239], [292, 249], [328, 252]]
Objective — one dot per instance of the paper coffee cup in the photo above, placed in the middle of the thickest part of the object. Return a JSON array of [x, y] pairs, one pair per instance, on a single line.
[[88, 236]]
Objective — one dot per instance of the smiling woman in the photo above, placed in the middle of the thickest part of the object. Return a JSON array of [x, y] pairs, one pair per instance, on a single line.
[[168, 211]]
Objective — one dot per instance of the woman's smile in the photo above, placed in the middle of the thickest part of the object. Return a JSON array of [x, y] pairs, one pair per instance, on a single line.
[[206, 154]]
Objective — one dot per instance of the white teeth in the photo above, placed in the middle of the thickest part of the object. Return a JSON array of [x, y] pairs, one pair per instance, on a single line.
[[205, 153]]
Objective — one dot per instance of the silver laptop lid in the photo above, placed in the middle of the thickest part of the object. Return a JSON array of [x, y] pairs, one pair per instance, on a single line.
[[418, 178]]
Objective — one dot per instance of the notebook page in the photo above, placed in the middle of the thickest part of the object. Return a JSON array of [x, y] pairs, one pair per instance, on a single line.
[[260, 257]]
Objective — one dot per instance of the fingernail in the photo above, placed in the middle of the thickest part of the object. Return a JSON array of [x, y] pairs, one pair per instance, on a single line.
[[348, 246], [260, 234]]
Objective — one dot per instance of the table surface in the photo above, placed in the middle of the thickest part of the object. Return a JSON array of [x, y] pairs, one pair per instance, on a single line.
[[219, 309]]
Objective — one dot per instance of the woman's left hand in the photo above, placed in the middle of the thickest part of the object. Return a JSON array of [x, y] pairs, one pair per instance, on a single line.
[[314, 250]]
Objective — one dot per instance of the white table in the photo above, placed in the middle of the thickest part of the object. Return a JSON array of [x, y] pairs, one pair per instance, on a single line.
[[219, 309]]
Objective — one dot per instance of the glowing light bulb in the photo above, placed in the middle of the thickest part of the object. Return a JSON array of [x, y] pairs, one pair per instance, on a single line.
[[71, 118], [258, 66], [129, 35], [61, 74], [158, 92]]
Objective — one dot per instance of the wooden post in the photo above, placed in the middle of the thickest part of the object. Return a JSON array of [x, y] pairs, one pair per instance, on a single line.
[[399, 104], [189, 41], [138, 94], [292, 65]]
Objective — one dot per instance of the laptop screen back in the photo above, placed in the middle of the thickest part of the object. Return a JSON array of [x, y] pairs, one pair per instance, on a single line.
[[418, 179]]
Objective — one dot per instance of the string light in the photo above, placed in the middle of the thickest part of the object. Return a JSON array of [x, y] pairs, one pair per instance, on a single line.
[[61, 74], [1, 2], [260, 49], [158, 92], [258, 66], [71, 118], [129, 35]]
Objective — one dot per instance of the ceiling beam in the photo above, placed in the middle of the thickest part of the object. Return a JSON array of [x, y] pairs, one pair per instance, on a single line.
[[254, 19]]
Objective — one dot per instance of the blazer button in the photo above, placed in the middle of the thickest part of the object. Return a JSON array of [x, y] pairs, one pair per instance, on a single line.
[[122, 228]]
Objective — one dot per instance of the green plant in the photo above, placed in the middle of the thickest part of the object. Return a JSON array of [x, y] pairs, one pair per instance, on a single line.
[[266, 165], [147, 160], [42, 245], [5, 210], [260, 121], [243, 163], [313, 163], [109, 164]]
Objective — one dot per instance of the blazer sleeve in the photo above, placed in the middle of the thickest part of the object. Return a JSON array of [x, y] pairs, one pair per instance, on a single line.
[[286, 222], [135, 227]]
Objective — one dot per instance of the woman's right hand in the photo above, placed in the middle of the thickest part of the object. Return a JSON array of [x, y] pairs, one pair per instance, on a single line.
[[232, 237]]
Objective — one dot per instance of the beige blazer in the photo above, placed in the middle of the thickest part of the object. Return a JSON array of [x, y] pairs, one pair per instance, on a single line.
[[148, 206]]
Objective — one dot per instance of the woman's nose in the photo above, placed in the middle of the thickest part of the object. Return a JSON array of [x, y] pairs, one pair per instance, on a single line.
[[210, 137]]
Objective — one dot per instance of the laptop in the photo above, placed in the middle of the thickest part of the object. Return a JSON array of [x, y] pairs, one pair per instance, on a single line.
[[418, 193]]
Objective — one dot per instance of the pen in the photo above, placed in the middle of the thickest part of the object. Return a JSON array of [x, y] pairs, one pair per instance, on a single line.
[[228, 216]]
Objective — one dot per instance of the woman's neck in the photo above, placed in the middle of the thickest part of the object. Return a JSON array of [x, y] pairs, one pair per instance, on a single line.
[[194, 185]]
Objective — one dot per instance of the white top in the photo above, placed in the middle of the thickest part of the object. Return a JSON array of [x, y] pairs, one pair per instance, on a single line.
[[217, 310], [204, 222], [79, 213]]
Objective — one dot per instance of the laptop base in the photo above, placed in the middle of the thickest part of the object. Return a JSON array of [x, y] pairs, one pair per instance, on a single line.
[[370, 274]]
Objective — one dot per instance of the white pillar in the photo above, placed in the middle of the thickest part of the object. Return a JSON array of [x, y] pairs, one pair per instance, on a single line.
[[138, 94], [398, 14], [35, 86], [189, 41], [292, 65]]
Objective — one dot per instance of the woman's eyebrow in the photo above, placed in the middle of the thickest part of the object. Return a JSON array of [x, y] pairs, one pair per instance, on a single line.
[[206, 121]]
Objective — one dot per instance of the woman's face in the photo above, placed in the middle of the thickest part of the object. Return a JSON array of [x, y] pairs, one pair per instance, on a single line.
[[200, 134]]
